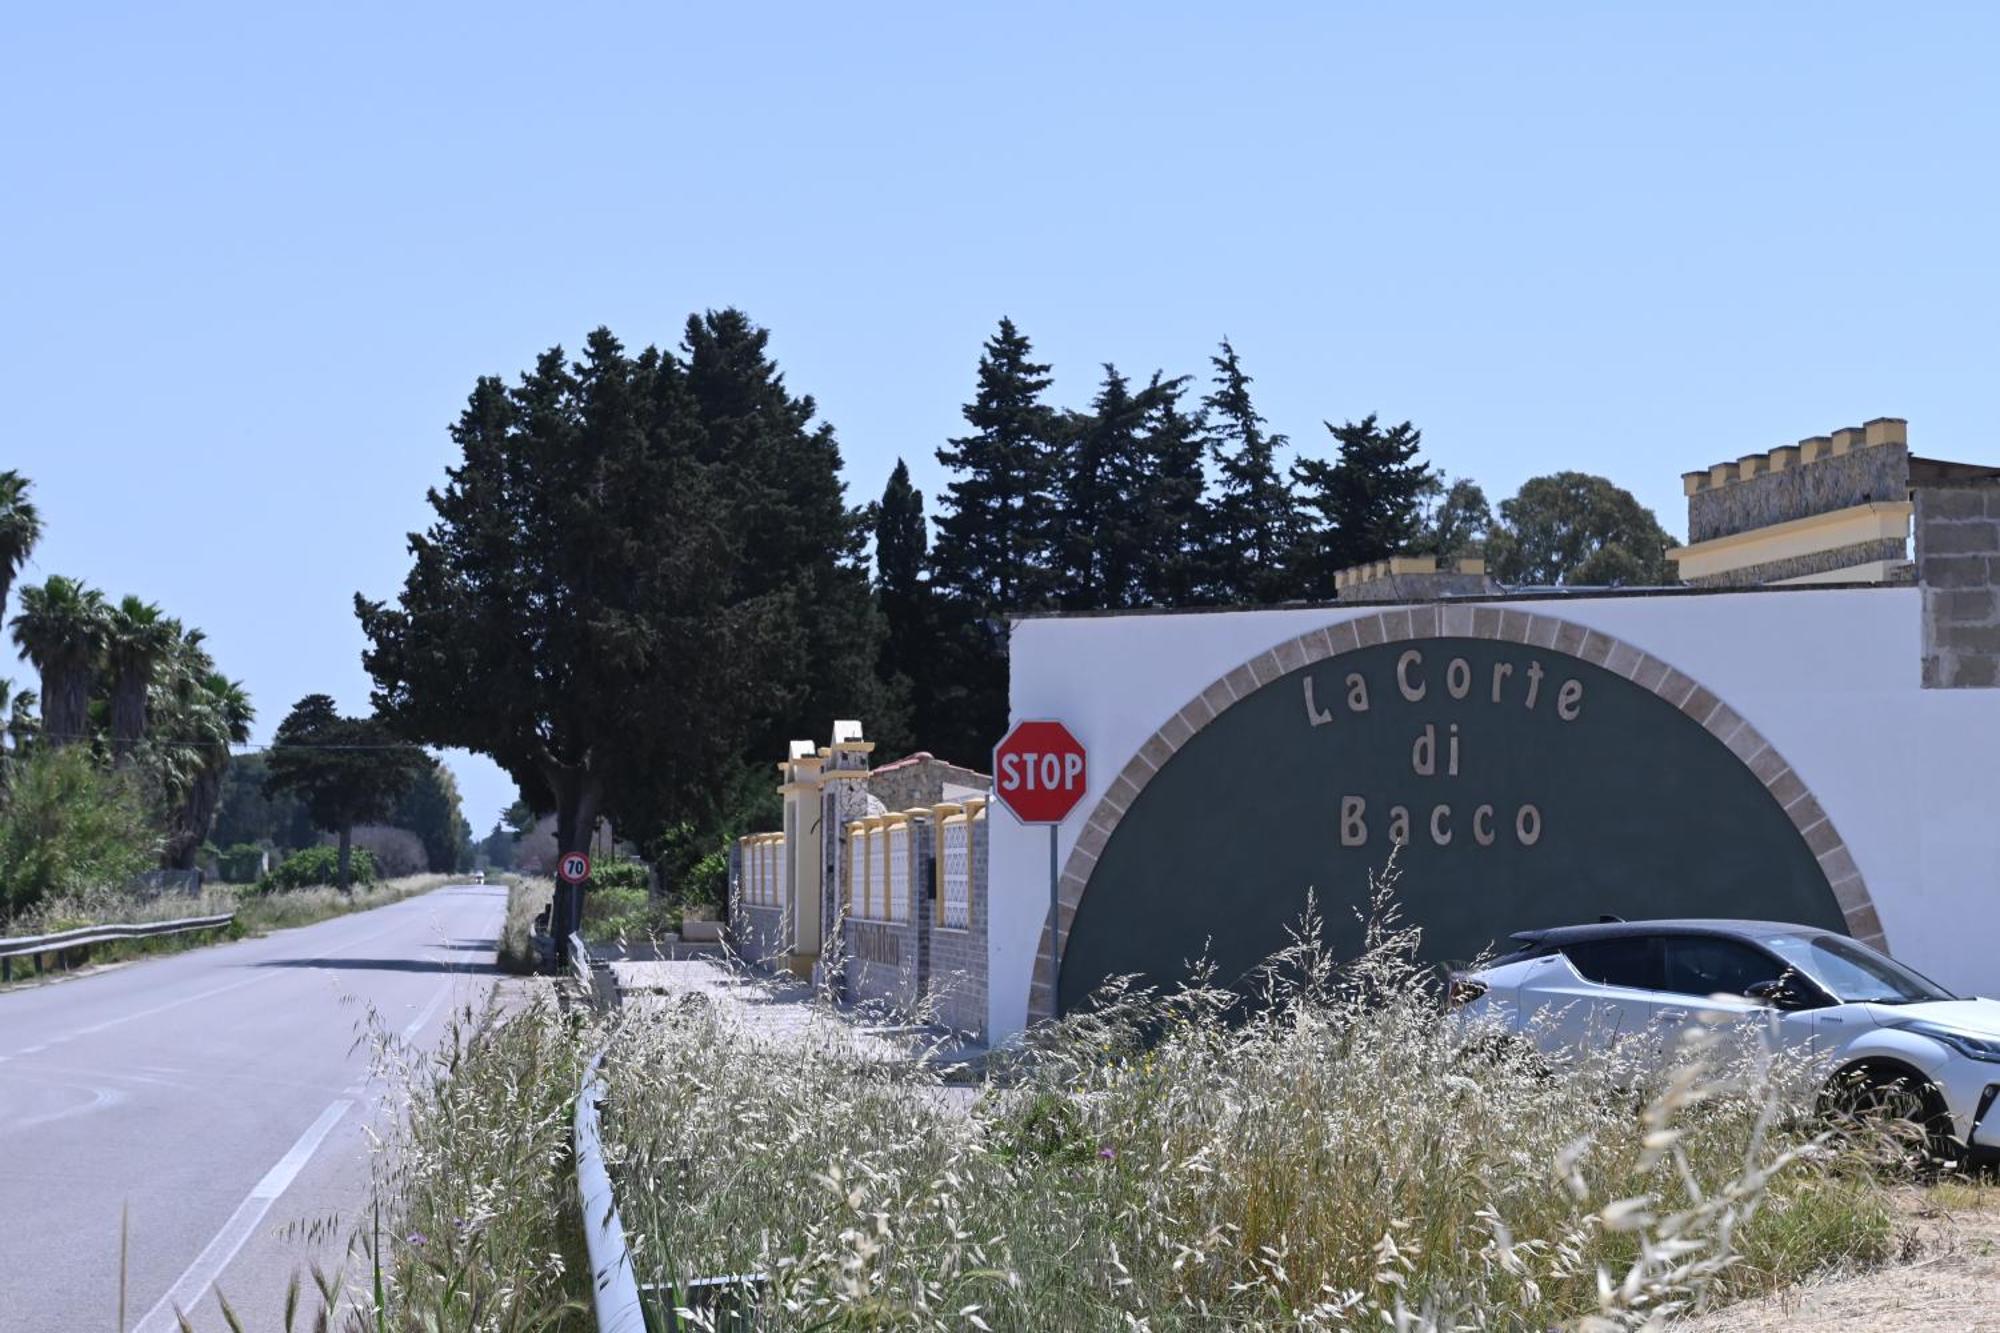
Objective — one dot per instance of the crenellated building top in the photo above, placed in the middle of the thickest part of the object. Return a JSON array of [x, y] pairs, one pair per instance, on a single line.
[[1814, 449], [1396, 565]]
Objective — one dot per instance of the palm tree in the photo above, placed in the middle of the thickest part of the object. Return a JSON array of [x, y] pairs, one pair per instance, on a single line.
[[62, 629], [138, 642], [20, 528], [198, 714]]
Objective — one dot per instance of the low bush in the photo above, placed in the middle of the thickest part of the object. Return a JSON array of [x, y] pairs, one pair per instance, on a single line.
[[623, 914], [620, 875], [318, 866], [707, 884], [241, 864], [69, 828]]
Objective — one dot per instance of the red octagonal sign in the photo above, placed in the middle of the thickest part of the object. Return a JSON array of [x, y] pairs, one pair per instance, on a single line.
[[1039, 772]]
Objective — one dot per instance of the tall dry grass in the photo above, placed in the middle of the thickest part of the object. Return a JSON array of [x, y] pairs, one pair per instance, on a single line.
[[527, 898], [1342, 1157]]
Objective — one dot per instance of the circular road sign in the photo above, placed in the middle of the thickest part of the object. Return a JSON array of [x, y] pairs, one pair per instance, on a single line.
[[1039, 772], [574, 868]]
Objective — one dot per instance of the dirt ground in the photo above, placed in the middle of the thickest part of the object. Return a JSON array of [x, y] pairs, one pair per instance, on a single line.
[[1949, 1282]]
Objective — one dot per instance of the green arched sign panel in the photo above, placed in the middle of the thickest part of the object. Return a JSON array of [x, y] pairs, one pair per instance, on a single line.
[[1529, 788]]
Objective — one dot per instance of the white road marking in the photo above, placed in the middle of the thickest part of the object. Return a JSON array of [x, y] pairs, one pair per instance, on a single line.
[[416, 1024], [215, 1256]]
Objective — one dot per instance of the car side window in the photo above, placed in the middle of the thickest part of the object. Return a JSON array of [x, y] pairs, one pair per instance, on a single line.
[[1632, 961], [1709, 965]]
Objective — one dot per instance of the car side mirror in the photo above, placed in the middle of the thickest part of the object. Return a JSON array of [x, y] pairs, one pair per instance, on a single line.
[[1778, 992]]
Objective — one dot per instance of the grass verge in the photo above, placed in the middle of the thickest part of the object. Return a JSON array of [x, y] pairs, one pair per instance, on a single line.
[[1341, 1157], [256, 914]]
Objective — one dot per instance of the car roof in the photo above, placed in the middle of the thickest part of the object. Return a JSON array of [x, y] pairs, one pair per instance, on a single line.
[[1557, 936]]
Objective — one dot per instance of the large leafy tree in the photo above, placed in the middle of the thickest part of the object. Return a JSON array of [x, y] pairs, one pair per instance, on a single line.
[[1576, 528], [579, 610], [63, 628], [1456, 518], [1253, 520], [246, 812], [1364, 504], [20, 528], [430, 808], [346, 770], [776, 474], [138, 640]]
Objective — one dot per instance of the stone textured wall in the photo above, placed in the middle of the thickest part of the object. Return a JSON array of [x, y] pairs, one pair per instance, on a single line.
[[958, 957], [918, 781], [1868, 474], [1417, 587], [1798, 566], [1958, 566]]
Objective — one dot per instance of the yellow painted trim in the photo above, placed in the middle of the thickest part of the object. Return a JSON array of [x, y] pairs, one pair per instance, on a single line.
[[1800, 536]]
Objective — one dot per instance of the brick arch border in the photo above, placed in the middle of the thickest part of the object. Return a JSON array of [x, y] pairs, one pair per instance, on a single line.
[[1434, 621]]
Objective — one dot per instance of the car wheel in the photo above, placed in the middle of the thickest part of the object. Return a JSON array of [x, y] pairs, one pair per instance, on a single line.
[[1892, 1108]]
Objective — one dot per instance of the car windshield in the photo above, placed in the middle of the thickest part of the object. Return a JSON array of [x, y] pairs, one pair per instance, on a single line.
[[1854, 973]]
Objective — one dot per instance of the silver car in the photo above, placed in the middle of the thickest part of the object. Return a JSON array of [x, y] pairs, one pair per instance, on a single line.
[[1879, 1028]]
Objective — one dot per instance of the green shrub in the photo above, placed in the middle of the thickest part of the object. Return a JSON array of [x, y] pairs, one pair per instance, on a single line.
[[70, 829], [707, 883], [620, 875], [241, 864], [619, 913], [318, 865]]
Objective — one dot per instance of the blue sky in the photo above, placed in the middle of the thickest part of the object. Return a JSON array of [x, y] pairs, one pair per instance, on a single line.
[[255, 256]]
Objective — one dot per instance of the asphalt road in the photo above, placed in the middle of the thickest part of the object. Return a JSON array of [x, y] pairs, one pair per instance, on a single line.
[[223, 1095]]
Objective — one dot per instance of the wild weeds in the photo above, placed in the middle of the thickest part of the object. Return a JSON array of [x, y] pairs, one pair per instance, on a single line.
[[475, 1224], [1336, 1154]]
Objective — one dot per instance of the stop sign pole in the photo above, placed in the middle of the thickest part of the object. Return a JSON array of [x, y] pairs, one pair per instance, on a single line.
[[1040, 771]]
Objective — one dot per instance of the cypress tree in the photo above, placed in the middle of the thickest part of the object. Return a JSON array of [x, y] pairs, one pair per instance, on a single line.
[[902, 550], [995, 534], [1102, 494], [1175, 559], [1366, 505], [996, 528], [1253, 518]]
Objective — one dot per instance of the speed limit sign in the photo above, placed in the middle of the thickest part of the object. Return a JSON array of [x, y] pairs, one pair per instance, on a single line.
[[575, 868]]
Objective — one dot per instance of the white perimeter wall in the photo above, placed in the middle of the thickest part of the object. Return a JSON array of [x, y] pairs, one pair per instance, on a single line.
[[1910, 777]]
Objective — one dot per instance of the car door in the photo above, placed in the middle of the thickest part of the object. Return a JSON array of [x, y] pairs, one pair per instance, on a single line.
[[1704, 980], [1591, 993]]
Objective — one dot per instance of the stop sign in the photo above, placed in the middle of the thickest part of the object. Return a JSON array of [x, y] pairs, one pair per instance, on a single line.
[[1039, 772]]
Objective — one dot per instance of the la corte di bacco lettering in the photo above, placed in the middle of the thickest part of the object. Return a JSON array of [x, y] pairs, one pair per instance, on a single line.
[[1439, 752]]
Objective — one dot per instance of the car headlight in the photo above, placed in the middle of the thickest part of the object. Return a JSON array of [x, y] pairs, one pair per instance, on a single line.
[[1971, 1045]]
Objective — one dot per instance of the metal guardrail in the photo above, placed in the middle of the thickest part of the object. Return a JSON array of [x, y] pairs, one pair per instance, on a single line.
[[614, 1287], [22, 946]]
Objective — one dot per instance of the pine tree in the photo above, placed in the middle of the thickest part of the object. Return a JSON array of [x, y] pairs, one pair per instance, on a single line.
[[1367, 504], [1175, 561], [902, 550], [995, 529], [1253, 517]]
